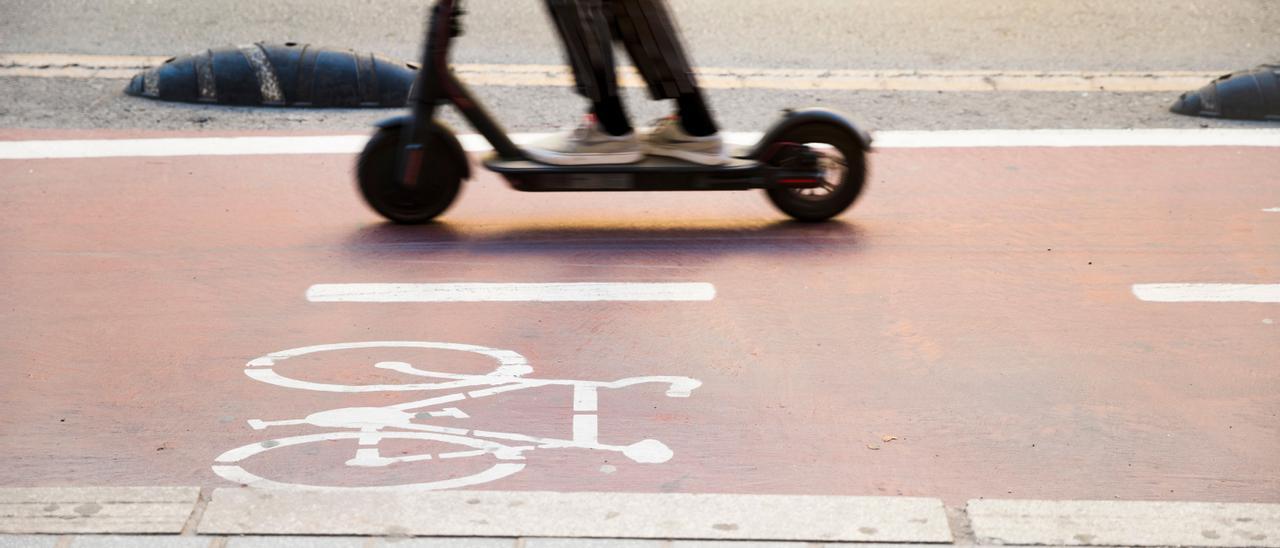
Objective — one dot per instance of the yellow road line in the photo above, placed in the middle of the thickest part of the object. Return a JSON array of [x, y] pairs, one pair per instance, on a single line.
[[68, 65], [866, 80], [50, 65]]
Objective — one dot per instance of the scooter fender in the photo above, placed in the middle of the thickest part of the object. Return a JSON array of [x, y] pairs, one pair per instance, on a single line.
[[450, 139], [801, 117], [401, 120]]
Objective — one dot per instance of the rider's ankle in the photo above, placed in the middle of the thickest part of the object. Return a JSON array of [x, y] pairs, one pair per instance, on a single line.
[[612, 117], [695, 117]]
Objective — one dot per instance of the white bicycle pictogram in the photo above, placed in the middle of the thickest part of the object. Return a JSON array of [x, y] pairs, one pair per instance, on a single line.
[[407, 421]]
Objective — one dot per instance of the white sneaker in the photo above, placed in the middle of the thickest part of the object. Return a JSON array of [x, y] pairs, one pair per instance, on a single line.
[[668, 139], [586, 145]]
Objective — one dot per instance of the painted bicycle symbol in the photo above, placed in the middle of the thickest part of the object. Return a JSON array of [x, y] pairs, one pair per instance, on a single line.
[[370, 426]]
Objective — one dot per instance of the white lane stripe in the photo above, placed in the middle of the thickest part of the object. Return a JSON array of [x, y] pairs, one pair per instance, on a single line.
[[988, 138], [349, 144], [195, 146], [508, 292], [586, 429], [1272, 210], [1208, 293]]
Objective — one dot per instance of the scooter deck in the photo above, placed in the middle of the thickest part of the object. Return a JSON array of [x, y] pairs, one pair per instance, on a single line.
[[650, 163], [649, 174]]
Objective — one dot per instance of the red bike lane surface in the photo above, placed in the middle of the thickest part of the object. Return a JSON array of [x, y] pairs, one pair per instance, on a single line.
[[976, 305]]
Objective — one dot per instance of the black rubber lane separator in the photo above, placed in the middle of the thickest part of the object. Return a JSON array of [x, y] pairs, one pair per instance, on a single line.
[[1242, 95]]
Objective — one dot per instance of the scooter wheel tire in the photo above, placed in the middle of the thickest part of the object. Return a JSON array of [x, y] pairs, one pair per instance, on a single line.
[[845, 168], [439, 179]]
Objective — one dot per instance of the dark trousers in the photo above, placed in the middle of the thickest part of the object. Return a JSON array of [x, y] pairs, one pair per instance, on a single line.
[[589, 29]]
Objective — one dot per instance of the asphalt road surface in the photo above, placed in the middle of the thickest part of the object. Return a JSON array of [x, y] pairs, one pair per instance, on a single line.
[[1092, 35], [981, 324], [919, 34]]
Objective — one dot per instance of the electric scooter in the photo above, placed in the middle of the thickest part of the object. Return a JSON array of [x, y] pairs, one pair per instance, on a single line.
[[812, 162]]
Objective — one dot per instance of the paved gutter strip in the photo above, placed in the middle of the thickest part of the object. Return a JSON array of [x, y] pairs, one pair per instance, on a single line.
[[742, 544], [127, 541], [96, 509], [400, 542], [59, 65], [575, 515], [961, 529], [366, 542], [1120, 523], [109, 516], [29, 541], [197, 512]]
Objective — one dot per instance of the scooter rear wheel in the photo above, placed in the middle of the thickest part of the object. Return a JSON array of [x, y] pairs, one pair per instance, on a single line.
[[844, 173], [439, 178]]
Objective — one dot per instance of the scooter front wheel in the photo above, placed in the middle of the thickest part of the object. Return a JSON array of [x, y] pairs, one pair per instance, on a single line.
[[844, 171], [439, 177]]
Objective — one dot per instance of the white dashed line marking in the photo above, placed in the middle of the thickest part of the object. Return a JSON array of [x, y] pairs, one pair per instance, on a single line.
[[508, 292], [1208, 293]]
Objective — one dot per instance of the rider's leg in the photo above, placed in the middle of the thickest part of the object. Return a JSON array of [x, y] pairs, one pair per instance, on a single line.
[[606, 137], [652, 40], [584, 29], [646, 28]]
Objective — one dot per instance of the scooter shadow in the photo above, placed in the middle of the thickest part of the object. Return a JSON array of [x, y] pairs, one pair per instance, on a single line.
[[390, 241]]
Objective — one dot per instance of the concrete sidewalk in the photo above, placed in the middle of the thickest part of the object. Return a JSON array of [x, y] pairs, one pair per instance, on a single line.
[[189, 516]]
